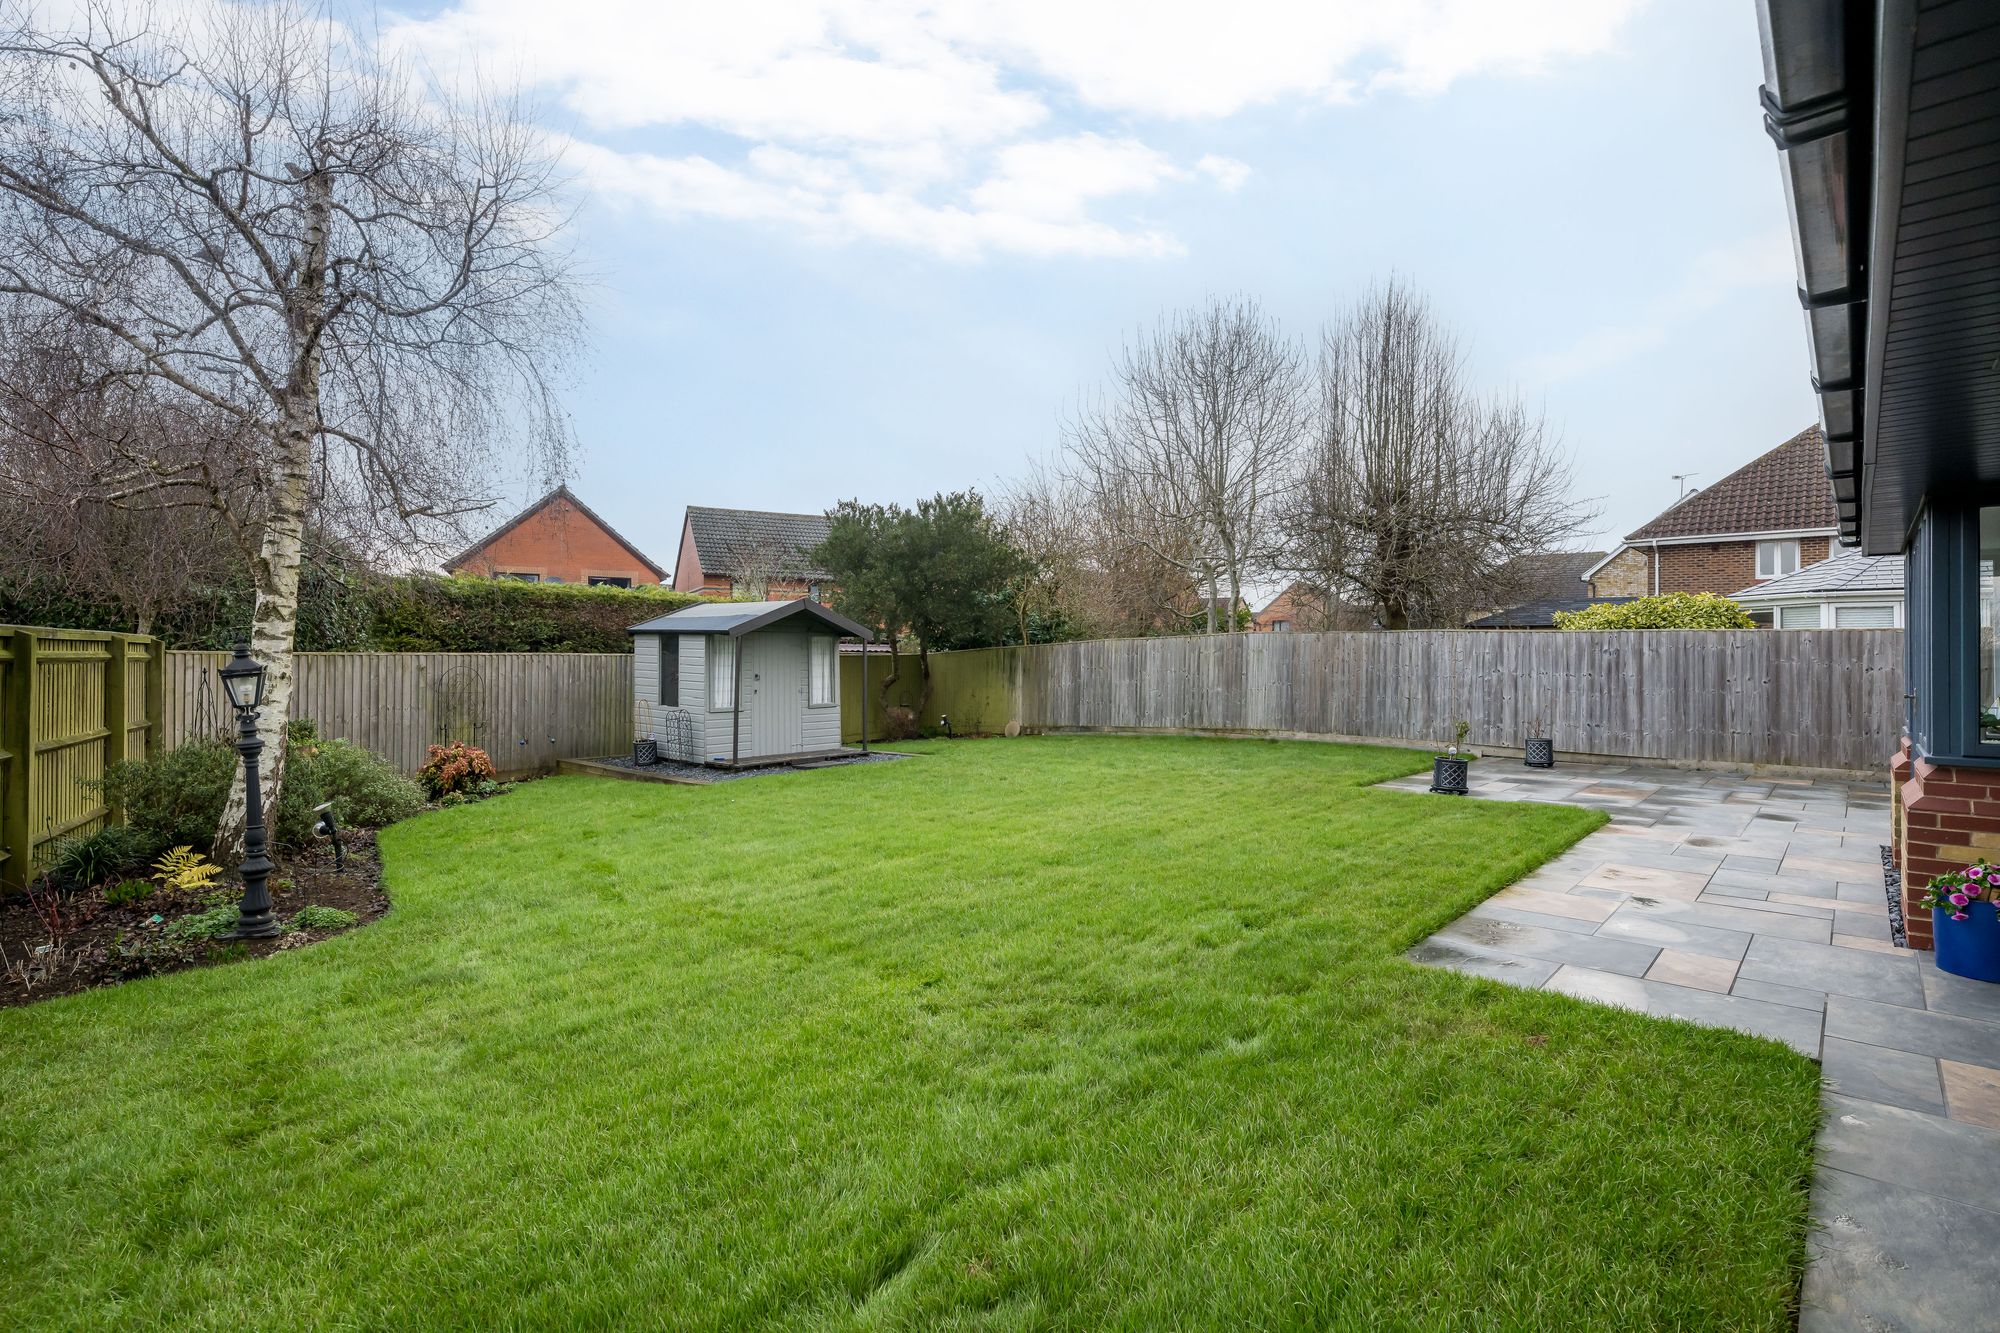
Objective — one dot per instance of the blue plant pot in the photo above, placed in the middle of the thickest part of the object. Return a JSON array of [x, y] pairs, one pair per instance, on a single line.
[[1968, 948]]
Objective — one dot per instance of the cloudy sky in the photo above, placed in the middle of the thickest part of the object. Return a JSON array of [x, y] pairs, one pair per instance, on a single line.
[[877, 247]]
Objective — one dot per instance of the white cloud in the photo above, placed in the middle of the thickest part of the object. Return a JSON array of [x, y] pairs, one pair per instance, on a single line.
[[930, 121], [1763, 260]]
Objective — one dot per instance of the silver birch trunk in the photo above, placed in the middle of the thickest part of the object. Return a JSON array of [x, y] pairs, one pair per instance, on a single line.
[[275, 572]]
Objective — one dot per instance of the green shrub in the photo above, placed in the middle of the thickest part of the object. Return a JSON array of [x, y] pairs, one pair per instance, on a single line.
[[316, 917], [175, 796], [92, 858], [366, 790], [1674, 610], [128, 891]]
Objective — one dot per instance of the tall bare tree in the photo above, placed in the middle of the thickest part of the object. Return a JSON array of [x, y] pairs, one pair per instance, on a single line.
[[1415, 489], [1188, 453], [355, 273]]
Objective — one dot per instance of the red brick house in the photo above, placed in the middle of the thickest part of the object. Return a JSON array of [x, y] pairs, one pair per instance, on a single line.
[[557, 539], [751, 553], [1771, 517]]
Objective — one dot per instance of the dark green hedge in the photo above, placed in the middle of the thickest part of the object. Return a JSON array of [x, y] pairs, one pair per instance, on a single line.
[[420, 613]]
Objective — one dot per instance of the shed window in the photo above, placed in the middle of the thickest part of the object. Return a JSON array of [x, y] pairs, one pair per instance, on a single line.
[[721, 671], [1776, 559], [822, 691], [670, 670], [1799, 617], [1864, 617]]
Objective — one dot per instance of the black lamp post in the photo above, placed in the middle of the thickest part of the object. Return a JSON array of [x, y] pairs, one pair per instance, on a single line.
[[243, 682]]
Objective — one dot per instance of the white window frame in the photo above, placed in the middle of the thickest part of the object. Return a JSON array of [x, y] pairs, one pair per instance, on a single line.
[[1281, 625], [1775, 559], [1890, 607], [721, 673], [823, 673], [1818, 615]]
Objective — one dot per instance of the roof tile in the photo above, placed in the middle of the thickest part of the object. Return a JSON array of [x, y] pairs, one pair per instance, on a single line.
[[1785, 490]]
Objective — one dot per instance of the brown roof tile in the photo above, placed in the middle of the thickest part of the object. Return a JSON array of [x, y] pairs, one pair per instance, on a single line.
[[1782, 491]]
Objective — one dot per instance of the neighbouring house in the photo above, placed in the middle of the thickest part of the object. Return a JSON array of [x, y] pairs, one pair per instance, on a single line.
[[1300, 607], [739, 683], [557, 539], [1883, 114], [1771, 517], [751, 553], [1540, 613], [1848, 591], [1527, 590]]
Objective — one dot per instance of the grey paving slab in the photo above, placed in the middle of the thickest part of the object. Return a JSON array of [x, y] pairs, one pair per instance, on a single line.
[[1556, 946], [1911, 1148], [1885, 1257], [1856, 972], [1520, 916], [1878, 1074], [1795, 996], [1726, 896], [1947, 1036], [1798, 1028], [1730, 916], [1632, 924], [1948, 994]]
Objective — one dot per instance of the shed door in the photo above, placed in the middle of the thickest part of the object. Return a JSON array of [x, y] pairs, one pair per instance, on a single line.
[[774, 690]]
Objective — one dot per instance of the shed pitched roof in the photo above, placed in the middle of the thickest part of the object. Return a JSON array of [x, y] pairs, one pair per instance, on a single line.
[[562, 492], [738, 618], [1850, 571], [736, 541], [1785, 490]]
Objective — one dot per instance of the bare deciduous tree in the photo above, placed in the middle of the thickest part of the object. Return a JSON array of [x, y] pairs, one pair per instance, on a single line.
[[1194, 446], [355, 274], [1415, 490]]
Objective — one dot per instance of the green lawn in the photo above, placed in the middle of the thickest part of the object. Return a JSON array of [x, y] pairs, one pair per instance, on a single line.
[[1080, 1032]]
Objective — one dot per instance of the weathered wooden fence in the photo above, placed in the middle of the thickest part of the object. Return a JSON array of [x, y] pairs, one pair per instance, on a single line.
[[527, 710], [1809, 699], [71, 702]]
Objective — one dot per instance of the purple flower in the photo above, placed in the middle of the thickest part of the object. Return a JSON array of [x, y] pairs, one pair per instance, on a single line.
[[1958, 916], [1974, 872], [1960, 899]]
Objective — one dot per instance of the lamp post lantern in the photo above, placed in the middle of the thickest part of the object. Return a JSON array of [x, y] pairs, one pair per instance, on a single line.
[[243, 682]]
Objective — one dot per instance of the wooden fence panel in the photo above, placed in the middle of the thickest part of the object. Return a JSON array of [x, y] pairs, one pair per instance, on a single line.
[[1813, 699], [527, 710], [72, 702]]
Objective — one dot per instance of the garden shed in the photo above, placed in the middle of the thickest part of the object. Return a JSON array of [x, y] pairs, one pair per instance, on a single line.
[[741, 683]]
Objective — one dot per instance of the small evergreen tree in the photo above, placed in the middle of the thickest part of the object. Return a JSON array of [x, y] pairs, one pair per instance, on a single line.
[[938, 573]]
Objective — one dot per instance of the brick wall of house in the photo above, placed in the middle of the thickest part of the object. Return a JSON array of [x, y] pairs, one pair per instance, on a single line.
[[1717, 567], [1723, 567], [1948, 817], [557, 542]]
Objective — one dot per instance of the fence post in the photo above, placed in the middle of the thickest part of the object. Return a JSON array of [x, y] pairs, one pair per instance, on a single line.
[[16, 819], [156, 697], [116, 723]]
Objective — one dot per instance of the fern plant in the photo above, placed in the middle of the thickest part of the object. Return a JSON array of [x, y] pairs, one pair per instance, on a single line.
[[185, 870]]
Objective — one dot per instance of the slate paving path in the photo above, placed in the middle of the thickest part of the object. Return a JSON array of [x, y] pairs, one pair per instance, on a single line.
[[1756, 903]]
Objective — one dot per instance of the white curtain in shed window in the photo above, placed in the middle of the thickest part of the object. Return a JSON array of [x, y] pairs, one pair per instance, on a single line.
[[721, 671], [822, 690]]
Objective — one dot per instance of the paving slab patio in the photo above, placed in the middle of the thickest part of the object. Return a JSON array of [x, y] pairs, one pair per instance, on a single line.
[[1756, 903]]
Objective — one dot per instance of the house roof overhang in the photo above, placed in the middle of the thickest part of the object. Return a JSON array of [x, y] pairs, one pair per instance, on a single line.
[[1886, 114]]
